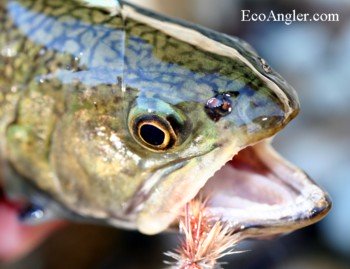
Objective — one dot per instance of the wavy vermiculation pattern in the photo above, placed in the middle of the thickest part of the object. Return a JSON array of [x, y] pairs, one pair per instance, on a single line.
[[74, 77]]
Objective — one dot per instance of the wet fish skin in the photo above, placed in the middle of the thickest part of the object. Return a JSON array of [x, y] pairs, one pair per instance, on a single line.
[[74, 79]]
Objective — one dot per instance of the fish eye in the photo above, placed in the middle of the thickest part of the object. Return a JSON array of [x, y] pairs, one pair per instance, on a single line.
[[154, 132]]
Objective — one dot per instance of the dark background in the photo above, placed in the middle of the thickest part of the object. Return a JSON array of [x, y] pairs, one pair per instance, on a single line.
[[314, 58]]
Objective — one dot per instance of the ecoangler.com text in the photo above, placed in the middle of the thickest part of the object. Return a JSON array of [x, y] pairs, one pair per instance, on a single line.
[[288, 18]]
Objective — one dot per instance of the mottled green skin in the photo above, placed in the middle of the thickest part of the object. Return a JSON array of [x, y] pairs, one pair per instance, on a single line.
[[78, 76]]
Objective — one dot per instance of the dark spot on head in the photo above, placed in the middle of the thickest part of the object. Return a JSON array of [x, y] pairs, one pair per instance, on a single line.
[[218, 106]]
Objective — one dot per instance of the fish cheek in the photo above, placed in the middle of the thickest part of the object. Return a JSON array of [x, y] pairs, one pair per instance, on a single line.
[[97, 173]]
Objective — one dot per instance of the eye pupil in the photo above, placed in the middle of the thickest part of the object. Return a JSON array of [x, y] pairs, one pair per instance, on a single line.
[[154, 132], [152, 135]]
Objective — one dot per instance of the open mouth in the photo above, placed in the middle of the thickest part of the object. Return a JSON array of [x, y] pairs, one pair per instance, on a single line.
[[260, 194]]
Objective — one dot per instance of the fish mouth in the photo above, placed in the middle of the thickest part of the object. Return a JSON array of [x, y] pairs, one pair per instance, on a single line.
[[259, 194]]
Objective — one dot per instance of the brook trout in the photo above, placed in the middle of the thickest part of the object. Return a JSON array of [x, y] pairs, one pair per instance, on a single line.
[[114, 114]]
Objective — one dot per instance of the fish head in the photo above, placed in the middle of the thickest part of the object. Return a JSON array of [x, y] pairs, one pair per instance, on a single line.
[[155, 112], [221, 103], [162, 111], [190, 116]]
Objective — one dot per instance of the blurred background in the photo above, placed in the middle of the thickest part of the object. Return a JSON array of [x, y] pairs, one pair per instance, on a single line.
[[315, 59]]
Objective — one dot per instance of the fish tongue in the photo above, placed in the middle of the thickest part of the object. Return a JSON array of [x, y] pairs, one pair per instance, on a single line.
[[17, 239]]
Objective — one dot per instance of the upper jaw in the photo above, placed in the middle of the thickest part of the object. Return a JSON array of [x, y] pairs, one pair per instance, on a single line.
[[260, 194]]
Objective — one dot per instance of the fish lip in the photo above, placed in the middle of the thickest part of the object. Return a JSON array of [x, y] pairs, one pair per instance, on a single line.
[[320, 211], [308, 207]]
